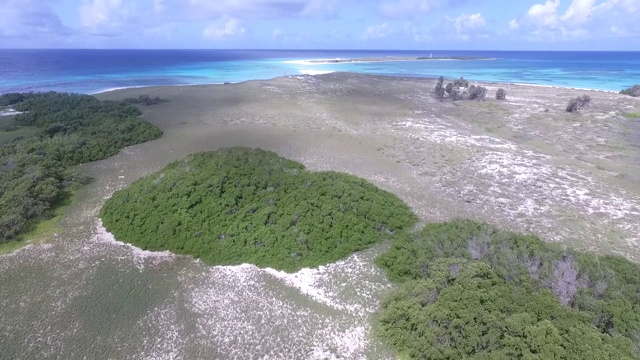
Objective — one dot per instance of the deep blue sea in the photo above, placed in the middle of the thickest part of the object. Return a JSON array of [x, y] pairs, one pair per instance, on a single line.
[[91, 71]]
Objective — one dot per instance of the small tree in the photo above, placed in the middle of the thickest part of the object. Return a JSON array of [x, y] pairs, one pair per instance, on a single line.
[[449, 88], [578, 103], [439, 89], [461, 82], [501, 94], [477, 92]]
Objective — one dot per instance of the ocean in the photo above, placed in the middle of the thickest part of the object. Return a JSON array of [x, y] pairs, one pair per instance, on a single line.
[[93, 71]]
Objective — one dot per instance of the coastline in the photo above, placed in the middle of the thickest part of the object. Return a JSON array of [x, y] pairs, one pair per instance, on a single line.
[[325, 72], [385, 59]]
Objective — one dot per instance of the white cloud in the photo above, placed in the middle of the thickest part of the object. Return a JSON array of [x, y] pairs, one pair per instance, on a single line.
[[418, 33], [545, 14], [100, 12], [277, 34], [260, 8], [463, 27], [225, 28], [30, 18], [583, 19], [465, 23], [413, 8], [376, 32], [579, 11]]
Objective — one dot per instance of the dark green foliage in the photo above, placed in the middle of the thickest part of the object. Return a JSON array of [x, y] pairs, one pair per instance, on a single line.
[[477, 92], [459, 90], [449, 88], [240, 205], [145, 100], [578, 103], [439, 89], [14, 98], [461, 83], [632, 91], [501, 94], [35, 171], [471, 290]]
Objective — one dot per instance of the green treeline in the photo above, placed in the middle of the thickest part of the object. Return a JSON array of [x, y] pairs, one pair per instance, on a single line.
[[240, 205], [36, 172], [469, 290]]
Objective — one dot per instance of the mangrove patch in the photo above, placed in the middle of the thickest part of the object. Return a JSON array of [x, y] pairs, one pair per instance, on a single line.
[[241, 205]]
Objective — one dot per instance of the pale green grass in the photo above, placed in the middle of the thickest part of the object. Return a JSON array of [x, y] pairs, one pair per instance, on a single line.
[[41, 232], [633, 115]]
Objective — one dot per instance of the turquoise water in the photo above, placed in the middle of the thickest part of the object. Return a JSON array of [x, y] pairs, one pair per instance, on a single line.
[[90, 71]]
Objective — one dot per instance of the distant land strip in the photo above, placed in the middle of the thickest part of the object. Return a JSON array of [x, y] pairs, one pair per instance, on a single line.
[[394, 58]]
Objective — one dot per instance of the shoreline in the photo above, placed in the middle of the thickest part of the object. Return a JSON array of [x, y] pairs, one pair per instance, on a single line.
[[385, 59], [312, 73]]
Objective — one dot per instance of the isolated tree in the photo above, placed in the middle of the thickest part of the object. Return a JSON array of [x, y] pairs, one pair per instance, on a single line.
[[501, 94], [439, 89], [578, 103]]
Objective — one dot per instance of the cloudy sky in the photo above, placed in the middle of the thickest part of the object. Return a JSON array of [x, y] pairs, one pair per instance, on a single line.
[[322, 24]]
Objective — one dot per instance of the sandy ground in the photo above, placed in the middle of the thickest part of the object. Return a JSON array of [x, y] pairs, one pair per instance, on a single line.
[[523, 163]]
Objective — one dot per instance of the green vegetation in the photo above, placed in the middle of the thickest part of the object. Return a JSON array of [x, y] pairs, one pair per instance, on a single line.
[[635, 115], [36, 171], [145, 100], [469, 290], [632, 91], [459, 89], [578, 103], [240, 205]]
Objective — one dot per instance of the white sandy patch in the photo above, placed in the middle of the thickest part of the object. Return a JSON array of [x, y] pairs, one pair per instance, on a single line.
[[139, 256], [313, 61], [9, 112], [315, 72], [310, 314]]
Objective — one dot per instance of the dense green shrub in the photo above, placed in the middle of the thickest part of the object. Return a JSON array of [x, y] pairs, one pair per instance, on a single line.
[[459, 90], [578, 103], [439, 89], [471, 290], [632, 91], [36, 171], [145, 100], [477, 92], [240, 205], [461, 83]]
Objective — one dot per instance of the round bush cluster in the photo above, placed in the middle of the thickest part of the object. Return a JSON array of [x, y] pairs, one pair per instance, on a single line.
[[241, 205]]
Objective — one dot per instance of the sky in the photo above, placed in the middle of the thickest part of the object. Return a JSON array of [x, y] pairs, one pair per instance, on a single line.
[[322, 24]]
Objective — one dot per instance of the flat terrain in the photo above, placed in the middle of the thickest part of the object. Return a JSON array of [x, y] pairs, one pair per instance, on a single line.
[[524, 164]]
